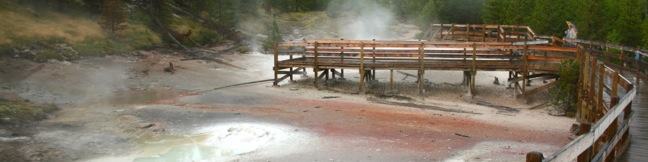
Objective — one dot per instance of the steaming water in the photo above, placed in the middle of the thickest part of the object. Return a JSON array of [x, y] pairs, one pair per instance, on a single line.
[[221, 142], [638, 150]]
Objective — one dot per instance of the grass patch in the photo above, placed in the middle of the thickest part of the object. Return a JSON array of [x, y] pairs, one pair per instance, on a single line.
[[47, 35], [24, 23], [13, 112]]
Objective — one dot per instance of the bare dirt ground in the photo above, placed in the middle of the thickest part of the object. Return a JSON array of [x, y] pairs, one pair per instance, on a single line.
[[126, 108]]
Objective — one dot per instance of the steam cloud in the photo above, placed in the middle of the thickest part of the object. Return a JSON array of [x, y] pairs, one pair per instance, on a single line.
[[361, 19]]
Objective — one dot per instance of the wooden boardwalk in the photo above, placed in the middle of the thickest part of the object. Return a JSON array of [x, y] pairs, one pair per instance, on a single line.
[[604, 94], [329, 58]]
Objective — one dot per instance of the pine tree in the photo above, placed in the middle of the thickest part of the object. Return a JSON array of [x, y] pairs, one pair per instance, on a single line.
[[274, 35], [629, 21], [494, 11], [429, 13], [113, 15], [549, 16], [589, 19], [644, 32]]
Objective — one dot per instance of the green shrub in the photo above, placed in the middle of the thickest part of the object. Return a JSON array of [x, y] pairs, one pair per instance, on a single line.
[[139, 36], [564, 94]]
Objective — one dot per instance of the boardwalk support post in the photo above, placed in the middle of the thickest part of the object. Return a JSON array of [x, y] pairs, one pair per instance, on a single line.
[[473, 70], [276, 63], [362, 70], [316, 66], [534, 157], [421, 71]]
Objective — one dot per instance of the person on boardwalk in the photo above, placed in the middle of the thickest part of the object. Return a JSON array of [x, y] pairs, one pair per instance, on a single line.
[[637, 55], [571, 34]]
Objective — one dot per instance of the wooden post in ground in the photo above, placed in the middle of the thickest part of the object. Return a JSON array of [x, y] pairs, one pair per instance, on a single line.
[[534, 157], [525, 72], [316, 66], [362, 70], [342, 61], [391, 80], [473, 73], [326, 73], [510, 53], [466, 73], [373, 56], [291, 68], [421, 71], [276, 63]]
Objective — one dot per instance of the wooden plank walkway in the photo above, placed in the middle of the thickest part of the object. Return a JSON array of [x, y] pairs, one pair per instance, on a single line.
[[325, 56], [604, 95]]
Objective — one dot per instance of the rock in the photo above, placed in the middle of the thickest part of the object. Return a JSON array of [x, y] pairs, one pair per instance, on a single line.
[[294, 89], [496, 82], [170, 69]]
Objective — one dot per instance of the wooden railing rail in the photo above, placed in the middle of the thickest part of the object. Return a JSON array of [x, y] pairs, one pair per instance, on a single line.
[[604, 120]]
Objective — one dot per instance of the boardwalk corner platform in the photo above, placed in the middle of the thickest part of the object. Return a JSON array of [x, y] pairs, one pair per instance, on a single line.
[[604, 95]]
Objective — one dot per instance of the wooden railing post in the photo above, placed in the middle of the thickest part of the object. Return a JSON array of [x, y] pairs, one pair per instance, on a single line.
[[473, 70], [291, 68], [483, 33], [592, 91], [452, 31], [525, 72], [362, 69], [316, 66], [441, 35], [276, 65], [599, 95], [421, 71], [373, 57], [342, 60], [391, 80], [468, 34]]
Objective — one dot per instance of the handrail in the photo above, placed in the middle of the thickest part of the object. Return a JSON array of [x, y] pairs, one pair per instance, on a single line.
[[572, 150], [598, 142]]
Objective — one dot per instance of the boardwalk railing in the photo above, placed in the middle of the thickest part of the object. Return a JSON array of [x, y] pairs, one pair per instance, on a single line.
[[484, 32], [626, 59], [325, 56], [604, 100], [604, 95]]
